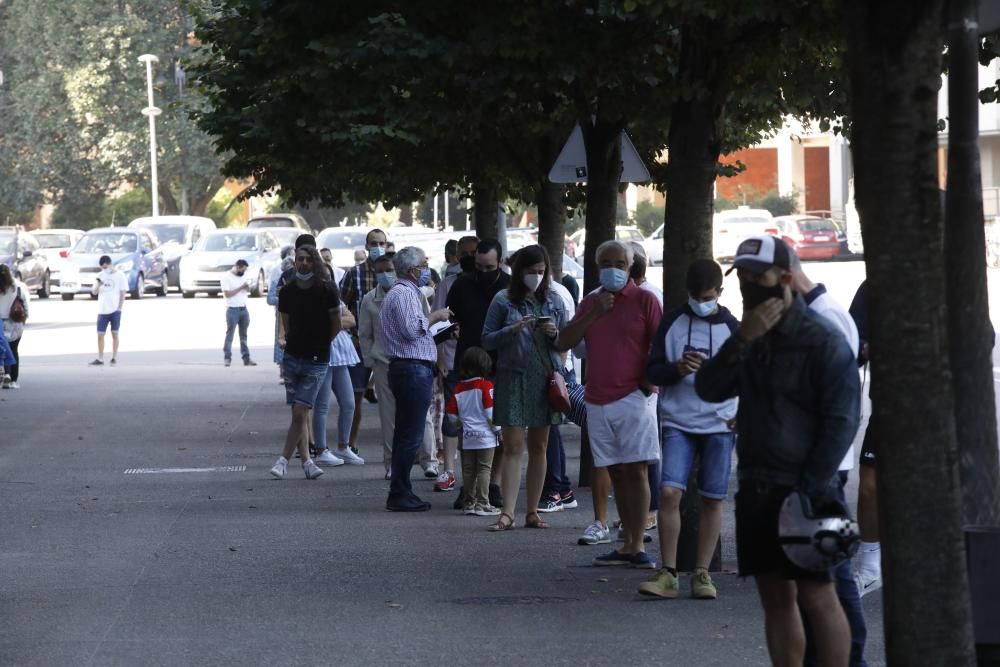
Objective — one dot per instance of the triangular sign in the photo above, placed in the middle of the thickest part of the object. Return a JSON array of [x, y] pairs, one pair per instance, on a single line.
[[571, 165]]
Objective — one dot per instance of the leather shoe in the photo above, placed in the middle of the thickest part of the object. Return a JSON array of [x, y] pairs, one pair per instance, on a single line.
[[415, 506]]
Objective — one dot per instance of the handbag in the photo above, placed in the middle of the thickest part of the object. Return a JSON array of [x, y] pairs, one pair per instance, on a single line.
[[556, 393], [17, 311]]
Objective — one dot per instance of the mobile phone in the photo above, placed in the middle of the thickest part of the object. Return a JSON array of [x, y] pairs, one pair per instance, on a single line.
[[543, 319]]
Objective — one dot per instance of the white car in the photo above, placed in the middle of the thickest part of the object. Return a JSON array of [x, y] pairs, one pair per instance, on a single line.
[[342, 242], [55, 244], [217, 252], [730, 228], [654, 247], [622, 233]]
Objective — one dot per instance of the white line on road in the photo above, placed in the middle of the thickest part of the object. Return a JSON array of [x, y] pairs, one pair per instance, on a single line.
[[161, 471]]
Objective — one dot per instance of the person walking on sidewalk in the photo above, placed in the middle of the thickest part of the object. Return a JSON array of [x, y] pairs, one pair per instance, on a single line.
[[110, 286], [798, 387], [236, 288], [691, 427], [310, 316], [12, 290], [404, 328]]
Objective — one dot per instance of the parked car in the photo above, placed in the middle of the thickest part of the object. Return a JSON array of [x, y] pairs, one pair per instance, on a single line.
[[135, 252], [20, 251], [810, 237], [654, 247], [178, 234], [622, 233], [290, 220], [284, 235], [343, 241], [55, 244], [732, 227], [217, 252]]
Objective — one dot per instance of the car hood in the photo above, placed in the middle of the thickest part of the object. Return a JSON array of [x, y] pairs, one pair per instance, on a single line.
[[91, 259], [218, 258]]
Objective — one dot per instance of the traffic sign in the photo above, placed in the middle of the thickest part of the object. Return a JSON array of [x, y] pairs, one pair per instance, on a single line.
[[571, 165]]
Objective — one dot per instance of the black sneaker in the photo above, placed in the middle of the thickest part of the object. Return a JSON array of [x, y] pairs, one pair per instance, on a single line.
[[496, 498], [568, 501], [550, 504]]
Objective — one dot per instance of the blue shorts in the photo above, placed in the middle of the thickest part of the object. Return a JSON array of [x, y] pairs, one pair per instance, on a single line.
[[360, 374], [114, 319], [303, 380], [679, 449]]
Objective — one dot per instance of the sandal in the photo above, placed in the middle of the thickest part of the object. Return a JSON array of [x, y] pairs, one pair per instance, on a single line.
[[504, 522], [535, 522]]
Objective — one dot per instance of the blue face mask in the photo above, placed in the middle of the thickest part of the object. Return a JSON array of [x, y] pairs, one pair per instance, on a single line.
[[425, 278], [385, 279], [613, 280], [703, 308], [375, 252], [304, 276]]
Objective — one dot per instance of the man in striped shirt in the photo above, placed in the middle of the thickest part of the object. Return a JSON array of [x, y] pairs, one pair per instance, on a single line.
[[404, 328]]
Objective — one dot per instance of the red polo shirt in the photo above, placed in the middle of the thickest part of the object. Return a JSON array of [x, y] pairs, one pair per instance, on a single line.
[[618, 343]]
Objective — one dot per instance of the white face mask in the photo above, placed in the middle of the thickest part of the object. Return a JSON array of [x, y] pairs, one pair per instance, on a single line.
[[532, 281]]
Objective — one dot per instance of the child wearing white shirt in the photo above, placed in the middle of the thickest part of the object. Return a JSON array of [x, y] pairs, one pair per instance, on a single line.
[[471, 408]]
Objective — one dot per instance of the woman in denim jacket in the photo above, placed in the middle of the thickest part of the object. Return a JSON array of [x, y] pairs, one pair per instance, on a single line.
[[522, 324]]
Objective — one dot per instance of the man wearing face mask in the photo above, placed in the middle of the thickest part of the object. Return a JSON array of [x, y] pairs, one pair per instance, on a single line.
[[797, 381], [236, 287], [691, 427], [406, 339]]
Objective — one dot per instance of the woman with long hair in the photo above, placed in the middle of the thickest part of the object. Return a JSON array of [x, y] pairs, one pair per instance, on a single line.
[[11, 289], [522, 326]]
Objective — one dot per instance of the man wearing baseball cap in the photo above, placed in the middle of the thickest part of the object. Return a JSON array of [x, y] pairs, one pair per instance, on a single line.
[[797, 382]]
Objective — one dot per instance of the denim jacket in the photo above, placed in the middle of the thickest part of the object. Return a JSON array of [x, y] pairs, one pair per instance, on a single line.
[[513, 349], [799, 391]]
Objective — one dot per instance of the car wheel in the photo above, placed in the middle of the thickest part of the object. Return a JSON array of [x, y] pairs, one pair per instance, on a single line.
[[140, 287], [258, 288], [164, 287], [67, 296], [213, 294], [44, 290], [187, 295]]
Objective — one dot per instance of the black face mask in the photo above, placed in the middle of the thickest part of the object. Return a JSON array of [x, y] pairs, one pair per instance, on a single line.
[[754, 294], [487, 278], [468, 263]]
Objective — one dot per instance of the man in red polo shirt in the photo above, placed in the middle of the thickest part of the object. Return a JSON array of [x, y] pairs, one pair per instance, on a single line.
[[618, 323]]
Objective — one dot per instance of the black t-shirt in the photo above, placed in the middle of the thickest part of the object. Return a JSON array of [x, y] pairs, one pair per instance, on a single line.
[[308, 310], [469, 299]]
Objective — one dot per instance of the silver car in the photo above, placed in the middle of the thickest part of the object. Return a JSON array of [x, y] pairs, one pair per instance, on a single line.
[[202, 269], [55, 244]]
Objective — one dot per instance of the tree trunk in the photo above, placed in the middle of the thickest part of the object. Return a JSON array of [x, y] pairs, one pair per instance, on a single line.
[[695, 142], [969, 330], [486, 207], [168, 204], [894, 61], [552, 223], [406, 215], [602, 140], [201, 202]]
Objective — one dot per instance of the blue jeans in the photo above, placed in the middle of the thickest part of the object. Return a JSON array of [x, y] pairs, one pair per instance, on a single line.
[[337, 382], [411, 383], [850, 600], [236, 316], [556, 480]]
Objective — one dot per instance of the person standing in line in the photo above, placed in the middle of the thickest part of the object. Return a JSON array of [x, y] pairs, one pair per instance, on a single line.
[[691, 427], [310, 316], [7, 360], [798, 391], [471, 409], [452, 267], [404, 330], [522, 326], [336, 272], [618, 324], [110, 286], [274, 284], [10, 290], [236, 288]]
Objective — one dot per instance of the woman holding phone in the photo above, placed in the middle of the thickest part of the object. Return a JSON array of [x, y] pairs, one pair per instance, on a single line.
[[522, 325]]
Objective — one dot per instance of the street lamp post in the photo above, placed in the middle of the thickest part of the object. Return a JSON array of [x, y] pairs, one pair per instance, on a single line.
[[152, 112]]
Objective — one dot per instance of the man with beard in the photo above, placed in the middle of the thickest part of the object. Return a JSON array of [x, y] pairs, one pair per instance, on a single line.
[[236, 287], [797, 382]]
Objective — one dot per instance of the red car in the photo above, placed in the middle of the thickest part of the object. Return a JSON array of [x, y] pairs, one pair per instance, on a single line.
[[809, 237]]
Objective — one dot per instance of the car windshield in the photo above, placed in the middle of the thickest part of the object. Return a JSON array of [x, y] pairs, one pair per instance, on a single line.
[[106, 243], [53, 240], [744, 221], [629, 235], [271, 222], [7, 244], [228, 242], [341, 240], [817, 225], [167, 233], [285, 236]]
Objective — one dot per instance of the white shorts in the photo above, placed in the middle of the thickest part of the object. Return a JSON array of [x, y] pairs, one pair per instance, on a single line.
[[624, 431]]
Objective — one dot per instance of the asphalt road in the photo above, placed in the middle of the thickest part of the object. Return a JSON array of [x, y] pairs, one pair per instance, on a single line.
[[140, 526]]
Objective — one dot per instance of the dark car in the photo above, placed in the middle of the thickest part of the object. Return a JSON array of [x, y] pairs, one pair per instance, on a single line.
[[20, 251]]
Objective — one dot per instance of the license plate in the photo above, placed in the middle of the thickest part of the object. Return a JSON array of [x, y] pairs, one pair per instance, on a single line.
[[819, 239], [67, 284]]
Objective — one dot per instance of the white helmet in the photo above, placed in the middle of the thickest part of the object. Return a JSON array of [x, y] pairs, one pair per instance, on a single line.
[[815, 543]]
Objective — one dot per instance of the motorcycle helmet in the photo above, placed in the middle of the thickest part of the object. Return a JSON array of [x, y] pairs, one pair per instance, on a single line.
[[815, 541]]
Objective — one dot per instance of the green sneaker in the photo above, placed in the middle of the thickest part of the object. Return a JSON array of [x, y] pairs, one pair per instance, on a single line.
[[661, 585], [702, 587]]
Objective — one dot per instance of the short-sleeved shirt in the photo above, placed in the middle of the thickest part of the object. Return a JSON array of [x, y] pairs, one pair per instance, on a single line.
[[231, 281], [113, 283], [309, 311], [618, 343]]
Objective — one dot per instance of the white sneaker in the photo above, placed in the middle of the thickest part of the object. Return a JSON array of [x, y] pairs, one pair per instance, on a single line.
[[350, 457], [280, 468], [431, 470], [486, 510], [596, 533], [867, 582], [13, 385], [327, 459], [312, 470]]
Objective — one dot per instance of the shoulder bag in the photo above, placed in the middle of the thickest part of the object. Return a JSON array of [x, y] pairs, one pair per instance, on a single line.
[[556, 393], [18, 313]]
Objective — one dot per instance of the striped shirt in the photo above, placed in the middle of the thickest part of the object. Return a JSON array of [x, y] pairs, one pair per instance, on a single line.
[[403, 324], [342, 352]]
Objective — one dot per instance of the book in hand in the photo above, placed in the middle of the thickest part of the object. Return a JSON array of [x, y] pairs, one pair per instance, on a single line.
[[443, 331]]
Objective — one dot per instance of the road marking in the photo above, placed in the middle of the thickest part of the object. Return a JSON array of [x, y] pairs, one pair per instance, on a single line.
[[161, 471]]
